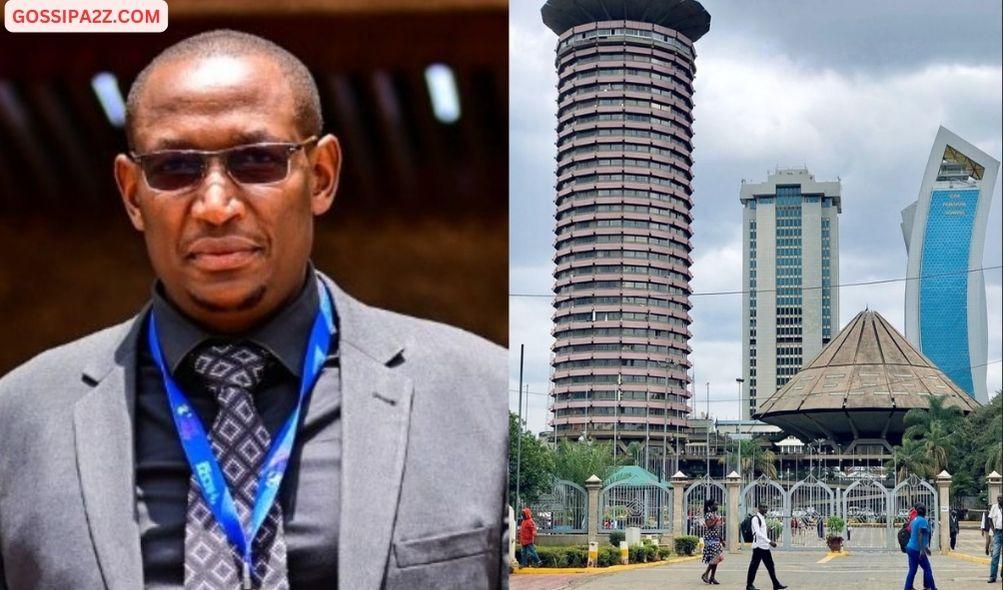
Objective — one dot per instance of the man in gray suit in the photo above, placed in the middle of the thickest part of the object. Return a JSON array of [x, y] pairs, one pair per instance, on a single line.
[[254, 426]]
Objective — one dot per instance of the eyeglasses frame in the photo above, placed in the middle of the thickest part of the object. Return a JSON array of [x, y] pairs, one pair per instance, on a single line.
[[209, 155]]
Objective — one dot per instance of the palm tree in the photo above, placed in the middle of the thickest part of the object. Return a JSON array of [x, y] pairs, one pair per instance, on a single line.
[[920, 421], [756, 456], [934, 430], [911, 457]]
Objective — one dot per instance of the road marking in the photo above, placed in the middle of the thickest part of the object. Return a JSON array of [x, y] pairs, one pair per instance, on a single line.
[[833, 554]]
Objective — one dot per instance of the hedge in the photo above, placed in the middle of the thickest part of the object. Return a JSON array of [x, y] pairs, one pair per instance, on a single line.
[[578, 555], [685, 545], [616, 537]]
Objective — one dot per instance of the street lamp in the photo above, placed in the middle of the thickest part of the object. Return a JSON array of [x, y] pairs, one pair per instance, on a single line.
[[669, 364], [739, 386]]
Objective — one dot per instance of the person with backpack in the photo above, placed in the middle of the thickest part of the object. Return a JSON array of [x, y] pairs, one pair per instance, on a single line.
[[755, 532], [918, 549], [903, 535], [714, 553]]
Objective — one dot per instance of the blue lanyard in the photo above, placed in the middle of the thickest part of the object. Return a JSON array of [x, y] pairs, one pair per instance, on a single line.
[[199, 452]]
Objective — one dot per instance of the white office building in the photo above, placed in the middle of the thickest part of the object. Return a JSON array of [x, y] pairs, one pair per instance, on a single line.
[[790, 274]]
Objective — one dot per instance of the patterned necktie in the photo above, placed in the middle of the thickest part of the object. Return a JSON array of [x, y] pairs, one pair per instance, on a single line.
[[231, 372]]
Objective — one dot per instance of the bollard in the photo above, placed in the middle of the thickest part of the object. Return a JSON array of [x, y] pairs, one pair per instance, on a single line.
[[624, 553], [594, 550]]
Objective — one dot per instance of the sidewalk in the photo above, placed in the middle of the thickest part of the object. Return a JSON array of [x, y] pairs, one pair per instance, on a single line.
[[857, 571]]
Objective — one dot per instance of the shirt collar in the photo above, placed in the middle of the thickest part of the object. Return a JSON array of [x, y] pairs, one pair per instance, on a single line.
[[284, 335]]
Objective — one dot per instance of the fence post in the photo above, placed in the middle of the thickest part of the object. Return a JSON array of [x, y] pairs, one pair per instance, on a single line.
[[732, 483], [680, 483], [593, 485], [993, 487], [944, 540]]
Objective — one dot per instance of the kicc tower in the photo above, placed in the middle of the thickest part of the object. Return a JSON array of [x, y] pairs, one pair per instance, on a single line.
[[624, 212]]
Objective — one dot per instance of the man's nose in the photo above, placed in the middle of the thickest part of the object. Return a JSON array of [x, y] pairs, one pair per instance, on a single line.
[[218, 199]]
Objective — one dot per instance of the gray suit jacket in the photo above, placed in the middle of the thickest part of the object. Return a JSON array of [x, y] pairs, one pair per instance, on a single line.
[[424, 430]]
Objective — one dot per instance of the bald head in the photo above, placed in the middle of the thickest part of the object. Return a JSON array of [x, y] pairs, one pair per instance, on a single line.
[[211, 55]]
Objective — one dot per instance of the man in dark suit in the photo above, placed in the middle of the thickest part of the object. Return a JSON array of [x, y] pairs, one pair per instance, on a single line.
[[253, 426]]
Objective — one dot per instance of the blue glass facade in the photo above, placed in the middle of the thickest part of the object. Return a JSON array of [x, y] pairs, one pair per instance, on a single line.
[[944, 336]]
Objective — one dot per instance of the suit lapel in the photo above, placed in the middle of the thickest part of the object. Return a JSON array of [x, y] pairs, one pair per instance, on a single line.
[[376, 406], [103, 426]]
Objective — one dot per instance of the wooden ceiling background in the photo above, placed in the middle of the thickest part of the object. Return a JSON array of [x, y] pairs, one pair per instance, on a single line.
[[419, 224]]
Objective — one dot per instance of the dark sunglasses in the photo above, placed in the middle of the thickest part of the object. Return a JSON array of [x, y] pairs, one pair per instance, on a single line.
[[256, 163]]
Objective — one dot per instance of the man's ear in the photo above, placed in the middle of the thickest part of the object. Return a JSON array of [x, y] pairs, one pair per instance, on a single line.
[[325, 173], [127, 177]]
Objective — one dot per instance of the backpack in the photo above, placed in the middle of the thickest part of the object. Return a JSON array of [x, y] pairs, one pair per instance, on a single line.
[[903, 536], [746, 529]]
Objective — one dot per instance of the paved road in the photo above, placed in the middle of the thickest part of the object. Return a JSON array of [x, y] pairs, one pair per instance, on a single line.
[[972, 542], [861, 571]]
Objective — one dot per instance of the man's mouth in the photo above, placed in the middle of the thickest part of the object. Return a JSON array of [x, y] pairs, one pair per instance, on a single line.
[[224, 253]]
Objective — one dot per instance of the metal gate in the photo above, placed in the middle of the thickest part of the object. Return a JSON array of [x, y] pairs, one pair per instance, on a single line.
[[909, 493], [693, 504], [866, 509], [809, 503], [769, 493], [649, 507], [562, 509]]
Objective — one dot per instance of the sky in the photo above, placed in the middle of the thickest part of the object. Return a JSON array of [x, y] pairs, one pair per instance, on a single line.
[[853, 90]]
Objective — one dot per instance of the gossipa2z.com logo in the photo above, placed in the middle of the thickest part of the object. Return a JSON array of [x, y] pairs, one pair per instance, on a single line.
[[85, 16]]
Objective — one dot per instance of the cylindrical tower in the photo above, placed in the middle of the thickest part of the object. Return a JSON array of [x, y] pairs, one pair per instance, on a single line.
[[622, 280]]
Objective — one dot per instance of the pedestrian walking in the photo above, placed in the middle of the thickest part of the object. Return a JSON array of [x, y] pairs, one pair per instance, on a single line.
[[953, 526], [996, 521], [713, 551], [918, 550], [985, 526], [761, 551], [527, 538]]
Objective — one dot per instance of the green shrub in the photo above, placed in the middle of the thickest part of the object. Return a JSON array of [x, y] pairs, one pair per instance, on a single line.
[[577, 556], [636, 554], [664, 552], [651, 551], [616, 537], [647, 541], [685, 545], [573, 556], [551, 556], [834, 525], [608, 556]]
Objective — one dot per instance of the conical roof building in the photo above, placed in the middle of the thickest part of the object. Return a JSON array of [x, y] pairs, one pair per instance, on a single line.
[[860, 386]]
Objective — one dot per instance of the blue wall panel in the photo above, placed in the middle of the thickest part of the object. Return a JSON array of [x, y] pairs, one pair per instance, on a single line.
[[944, 336]]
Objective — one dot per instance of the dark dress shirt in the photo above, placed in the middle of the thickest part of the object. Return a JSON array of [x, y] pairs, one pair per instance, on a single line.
[[310, 490]]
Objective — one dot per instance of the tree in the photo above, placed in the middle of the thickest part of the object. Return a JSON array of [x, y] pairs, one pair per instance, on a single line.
[[756, 456], [577, 461], [943, 438], [977, 449], [919, 422], [910, 457], [536, 461]]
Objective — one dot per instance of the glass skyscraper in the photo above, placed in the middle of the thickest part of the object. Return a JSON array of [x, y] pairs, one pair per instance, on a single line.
[[622, 232], [790, 274], [944, 231]]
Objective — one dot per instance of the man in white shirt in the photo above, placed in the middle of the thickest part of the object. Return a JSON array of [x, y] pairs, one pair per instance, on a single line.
[[996, 518], [761, 551]]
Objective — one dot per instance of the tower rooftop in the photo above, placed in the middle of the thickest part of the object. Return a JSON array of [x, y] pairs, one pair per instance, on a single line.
[[686, 16]]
